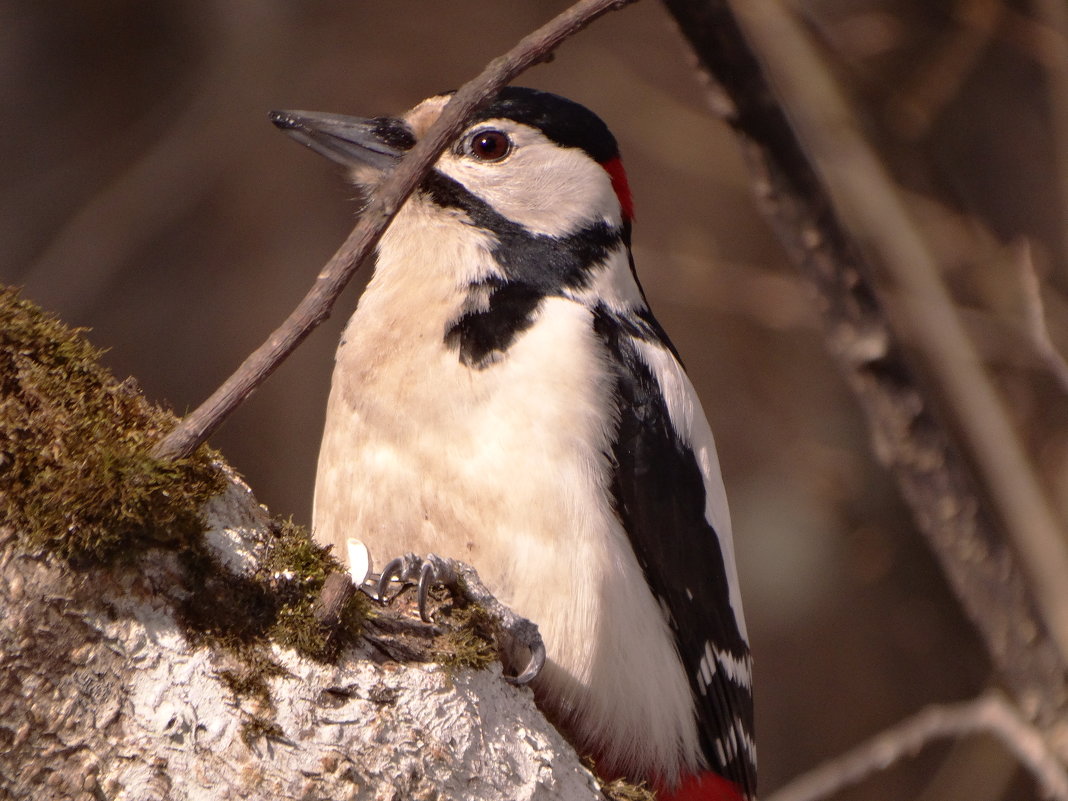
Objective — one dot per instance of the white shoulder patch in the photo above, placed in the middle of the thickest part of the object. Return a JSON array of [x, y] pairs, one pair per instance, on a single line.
[[690, 423], [611, 284]]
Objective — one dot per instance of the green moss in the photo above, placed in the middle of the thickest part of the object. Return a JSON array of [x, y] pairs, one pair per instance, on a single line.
[[469, 639], [276, 604], [77, 479], [246, 683], [248, 678], [622, 790], [297, 567], [293, 550], [76, 475], [221, 609], [295, 627], [241, 616], [255, 727]]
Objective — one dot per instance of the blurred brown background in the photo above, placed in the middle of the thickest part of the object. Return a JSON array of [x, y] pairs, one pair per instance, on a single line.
[[145, 195]]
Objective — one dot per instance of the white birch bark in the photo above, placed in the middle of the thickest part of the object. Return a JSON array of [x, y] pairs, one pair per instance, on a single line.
[[101, 696]]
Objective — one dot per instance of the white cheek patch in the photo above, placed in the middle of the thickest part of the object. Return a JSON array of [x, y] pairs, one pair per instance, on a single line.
[[548, 189]]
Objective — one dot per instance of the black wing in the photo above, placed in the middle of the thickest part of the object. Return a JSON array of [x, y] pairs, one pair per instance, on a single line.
[[660, 492]]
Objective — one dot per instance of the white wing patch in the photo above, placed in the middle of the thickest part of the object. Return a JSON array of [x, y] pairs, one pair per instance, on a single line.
[[611, 285], [689, 421], [738, 742], [740, 671]]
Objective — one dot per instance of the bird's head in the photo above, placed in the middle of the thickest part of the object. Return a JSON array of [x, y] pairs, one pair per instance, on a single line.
[[541, 161]]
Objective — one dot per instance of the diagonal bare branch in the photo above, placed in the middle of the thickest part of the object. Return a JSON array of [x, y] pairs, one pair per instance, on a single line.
[[839, 244], [918, 303], [317, 304], [990, 713]]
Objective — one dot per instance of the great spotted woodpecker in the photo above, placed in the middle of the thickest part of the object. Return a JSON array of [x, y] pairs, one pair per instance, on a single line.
[[504, 395]]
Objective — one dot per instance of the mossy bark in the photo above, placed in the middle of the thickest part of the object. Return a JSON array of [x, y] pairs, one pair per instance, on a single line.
[[158, 636], [103, 694]]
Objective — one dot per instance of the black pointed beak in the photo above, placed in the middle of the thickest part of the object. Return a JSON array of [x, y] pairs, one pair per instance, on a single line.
[[350, 141]]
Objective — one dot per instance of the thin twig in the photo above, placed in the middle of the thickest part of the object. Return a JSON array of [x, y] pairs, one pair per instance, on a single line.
[[937, 81], [990, 713], [316, 305], [1035, 317]]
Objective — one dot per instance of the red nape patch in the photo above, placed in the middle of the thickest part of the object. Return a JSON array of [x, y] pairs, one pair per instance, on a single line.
[[614, 168], [705, 786]]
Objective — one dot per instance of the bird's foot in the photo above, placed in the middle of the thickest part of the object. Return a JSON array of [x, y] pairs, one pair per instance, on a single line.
[[463, 580]]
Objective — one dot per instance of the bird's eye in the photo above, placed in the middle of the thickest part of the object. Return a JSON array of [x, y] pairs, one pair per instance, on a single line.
[[489, 145]]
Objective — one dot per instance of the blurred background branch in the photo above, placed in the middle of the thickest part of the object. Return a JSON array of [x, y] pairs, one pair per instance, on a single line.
[[897, 260], [885, 311], [1050, 32], [991, 713], [922, 322], [937, 420]]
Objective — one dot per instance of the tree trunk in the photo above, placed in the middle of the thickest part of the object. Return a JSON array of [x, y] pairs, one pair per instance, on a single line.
[[103, 695]]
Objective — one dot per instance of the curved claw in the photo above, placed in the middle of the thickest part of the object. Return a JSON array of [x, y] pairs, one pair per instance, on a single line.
[[533, 668], [463, 580], [393, 569], [427, 577]]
